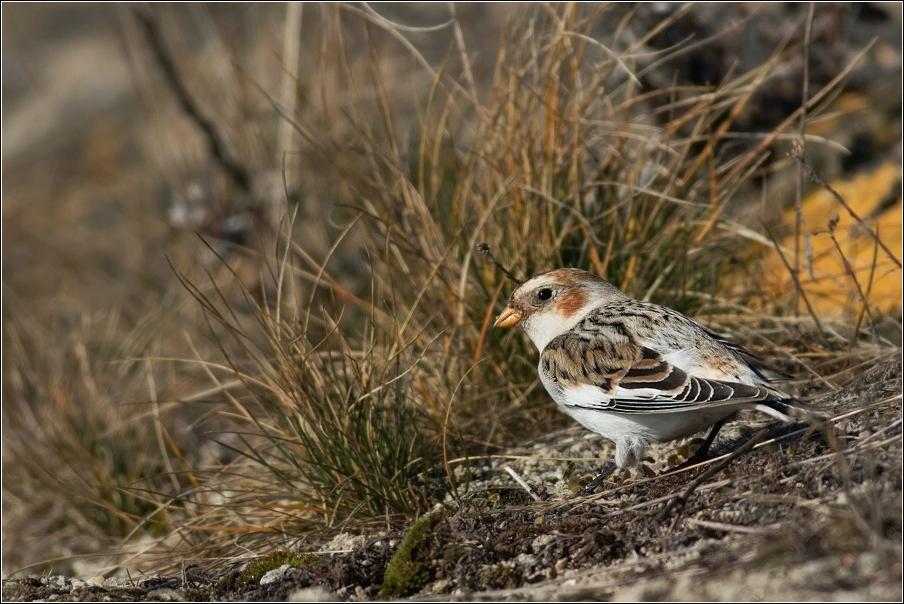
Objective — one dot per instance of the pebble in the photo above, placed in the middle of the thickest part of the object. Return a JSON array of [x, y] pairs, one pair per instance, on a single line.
[[345, 542], [312, 594], [275, 575]]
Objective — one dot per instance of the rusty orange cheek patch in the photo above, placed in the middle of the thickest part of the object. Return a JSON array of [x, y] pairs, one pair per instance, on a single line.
[[571, 302]]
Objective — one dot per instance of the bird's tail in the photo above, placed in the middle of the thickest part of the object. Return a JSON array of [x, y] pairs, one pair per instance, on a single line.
[[789, 409]]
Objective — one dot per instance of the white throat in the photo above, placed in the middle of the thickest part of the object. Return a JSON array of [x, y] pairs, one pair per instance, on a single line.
[[542, 328]]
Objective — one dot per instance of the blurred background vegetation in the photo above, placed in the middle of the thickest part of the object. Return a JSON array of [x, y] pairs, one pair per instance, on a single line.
[[241, 302]]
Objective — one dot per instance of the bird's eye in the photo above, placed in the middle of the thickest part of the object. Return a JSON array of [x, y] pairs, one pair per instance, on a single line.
[[544, 294]]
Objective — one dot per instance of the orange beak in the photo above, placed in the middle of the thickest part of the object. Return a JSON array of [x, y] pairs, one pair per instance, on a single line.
[[508, 318]]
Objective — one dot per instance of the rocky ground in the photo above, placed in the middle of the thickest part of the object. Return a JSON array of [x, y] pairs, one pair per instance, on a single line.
[[801, 517]]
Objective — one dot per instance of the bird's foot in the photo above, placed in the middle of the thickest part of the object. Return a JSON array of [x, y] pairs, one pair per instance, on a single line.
[[590, 487]]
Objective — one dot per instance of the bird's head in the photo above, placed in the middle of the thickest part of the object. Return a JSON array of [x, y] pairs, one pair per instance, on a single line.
[[551, 303]]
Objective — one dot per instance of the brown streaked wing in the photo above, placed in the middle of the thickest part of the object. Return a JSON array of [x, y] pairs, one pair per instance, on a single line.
[[573, 360]]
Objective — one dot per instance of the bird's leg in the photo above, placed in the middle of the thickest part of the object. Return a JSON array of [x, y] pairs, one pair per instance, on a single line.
[[590, 487], [700, 454]]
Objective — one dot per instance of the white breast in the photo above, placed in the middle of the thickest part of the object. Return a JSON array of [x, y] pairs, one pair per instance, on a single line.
[[632, 432]]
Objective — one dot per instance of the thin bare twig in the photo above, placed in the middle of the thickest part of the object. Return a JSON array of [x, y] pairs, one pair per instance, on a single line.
[[796, 279], [239, 173], [797, 153], [833, 223], [484, 248], [798, 211], [521, 482], [289, 93], [732, 528]]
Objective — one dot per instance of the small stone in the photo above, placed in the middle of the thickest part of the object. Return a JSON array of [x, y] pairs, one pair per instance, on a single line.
[[275, 575], [312, 594], [97, 581], [78, 584], [345, 542]]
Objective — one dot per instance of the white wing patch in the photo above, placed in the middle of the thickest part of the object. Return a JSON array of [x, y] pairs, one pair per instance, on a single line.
[[584, 395], [692, 363]]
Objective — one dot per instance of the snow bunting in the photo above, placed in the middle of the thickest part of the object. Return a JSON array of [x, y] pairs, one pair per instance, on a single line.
[[635, 372]]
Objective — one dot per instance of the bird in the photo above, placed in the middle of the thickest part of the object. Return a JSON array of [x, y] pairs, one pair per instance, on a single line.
[[636, 372]]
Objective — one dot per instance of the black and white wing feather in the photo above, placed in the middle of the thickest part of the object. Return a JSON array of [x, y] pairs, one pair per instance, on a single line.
[[600, 368]]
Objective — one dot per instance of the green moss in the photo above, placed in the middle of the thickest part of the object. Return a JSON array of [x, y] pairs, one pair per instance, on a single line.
[[199, 595], [405, 574], [227, 582], [257, 569]]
